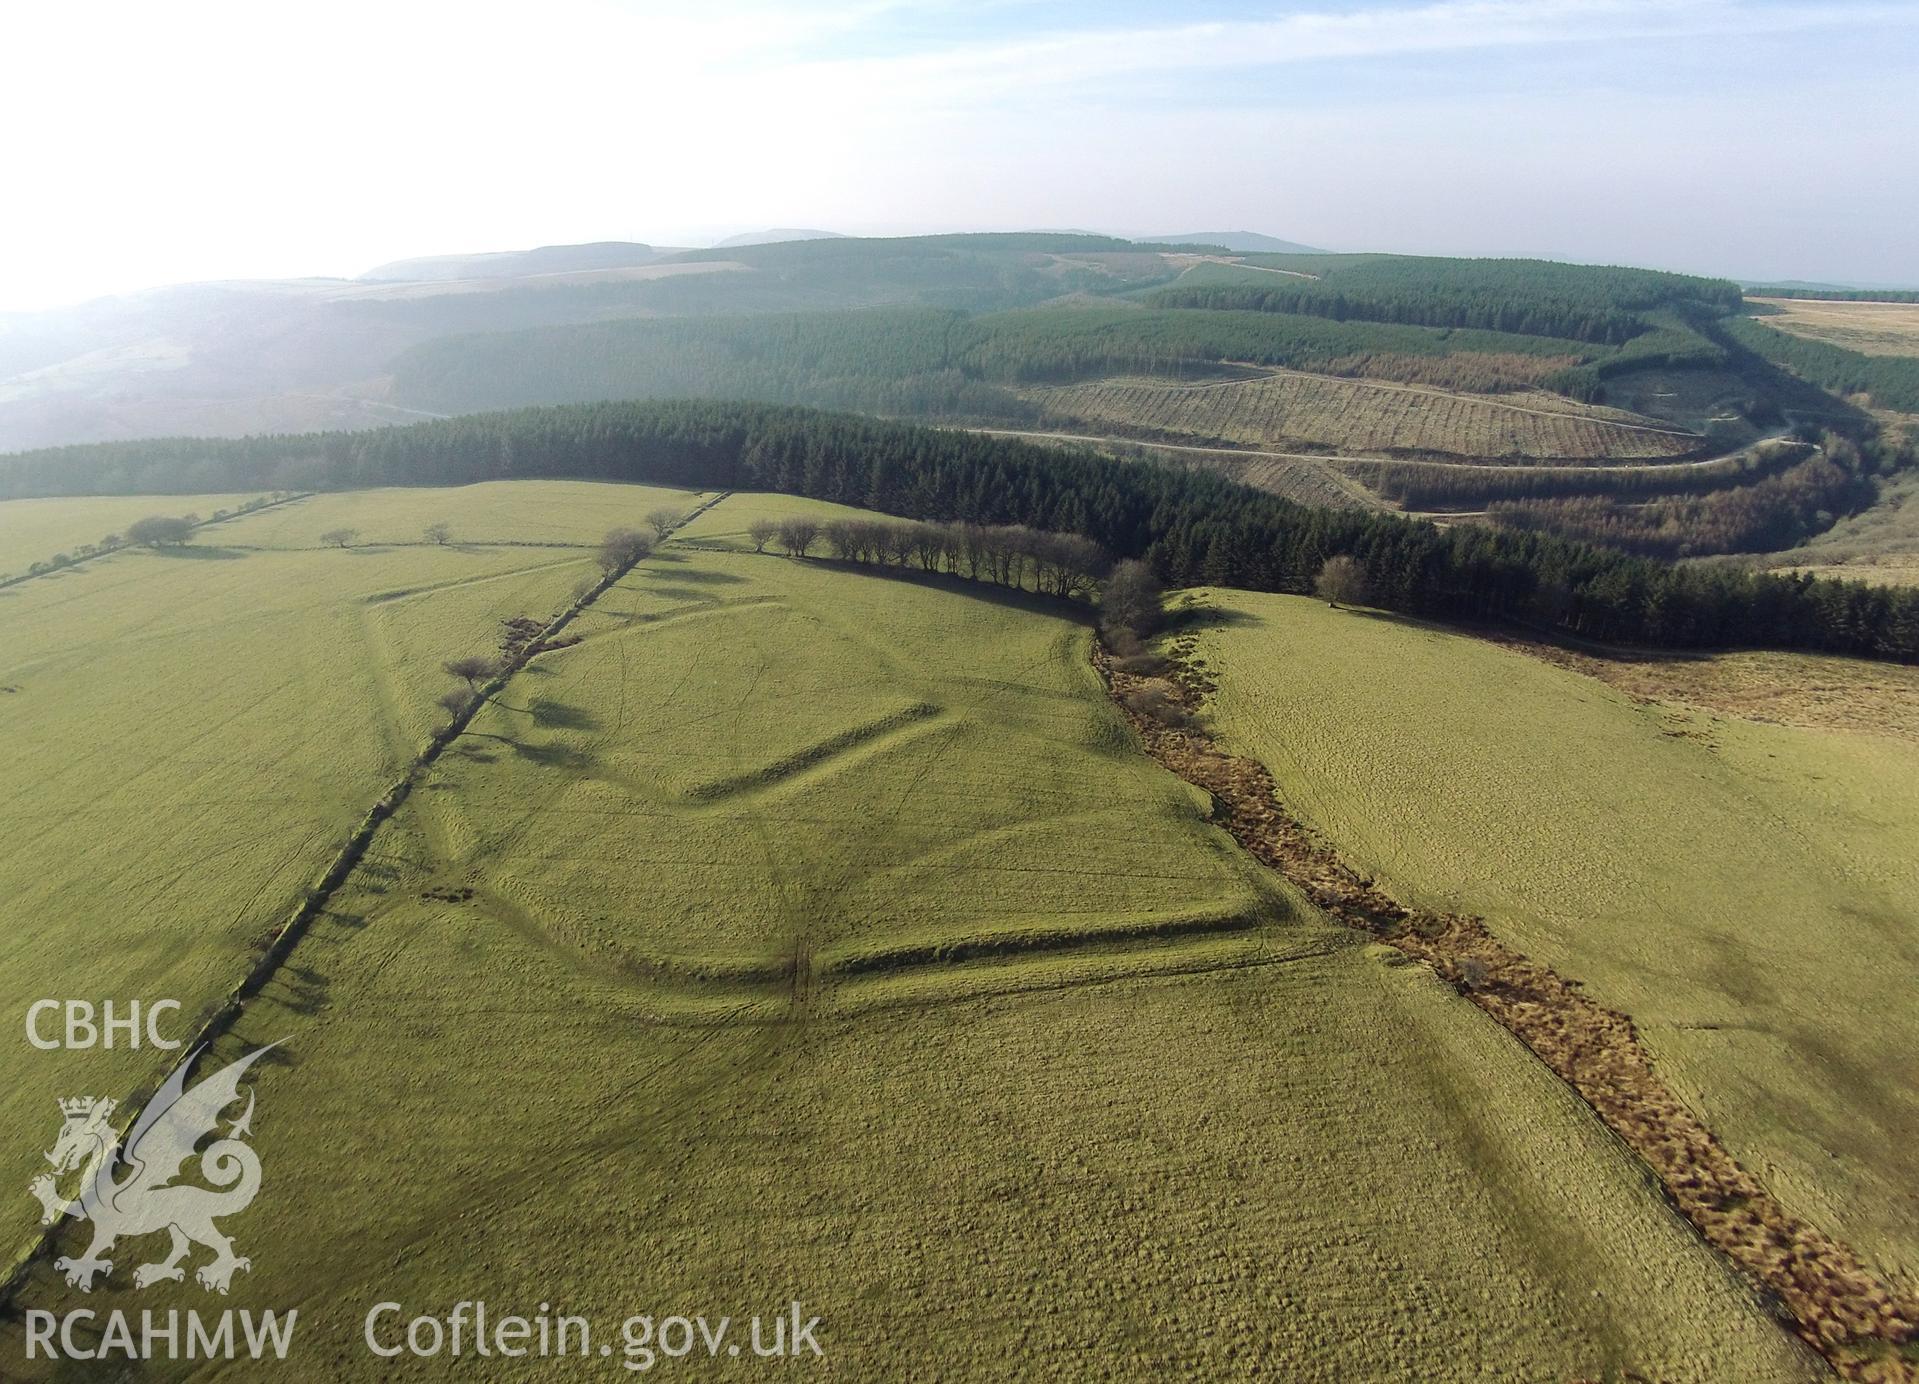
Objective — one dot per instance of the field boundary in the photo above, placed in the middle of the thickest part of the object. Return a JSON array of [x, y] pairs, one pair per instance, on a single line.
[[1864, 1328], [72, 563], [287, 935]]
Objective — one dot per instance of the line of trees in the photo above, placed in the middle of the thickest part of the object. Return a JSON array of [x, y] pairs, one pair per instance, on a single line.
[[1836, 295], [153, 531], [1058, 564], [1192, 527]]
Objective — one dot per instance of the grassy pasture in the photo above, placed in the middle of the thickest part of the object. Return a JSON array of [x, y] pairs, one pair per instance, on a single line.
[[1873, 329], [190, 736], [753, 758], [34, 530], [725, 525], [1743, 890], [1330, 1164], [1812, 690], [517, 512], [1288, 410], [1273, 1147]]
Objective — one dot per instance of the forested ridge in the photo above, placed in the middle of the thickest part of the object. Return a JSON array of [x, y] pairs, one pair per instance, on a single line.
[[939, 362], [1193, 527], [1601, 305], [1892, 381], [895, 360]]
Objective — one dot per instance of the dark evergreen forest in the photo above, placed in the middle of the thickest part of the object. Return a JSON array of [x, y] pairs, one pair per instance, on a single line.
[[1192, 527]]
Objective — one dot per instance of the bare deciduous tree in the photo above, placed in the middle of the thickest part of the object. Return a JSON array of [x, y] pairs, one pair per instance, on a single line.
[[664, 521], [1131, 601], [761, 531], [797, 536], [621, 548], [456, 701], [339, 538], [1341, 579], [473, 669], [441, 533]]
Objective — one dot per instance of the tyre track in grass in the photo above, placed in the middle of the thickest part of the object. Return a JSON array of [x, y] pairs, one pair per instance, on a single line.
[[1865, 1328], [286, 936]]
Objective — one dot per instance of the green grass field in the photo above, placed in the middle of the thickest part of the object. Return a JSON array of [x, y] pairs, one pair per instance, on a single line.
[[1743, 890], [491, 512], [725, 525], [823, 942], [35, 530], [750, 758], [191, 736]]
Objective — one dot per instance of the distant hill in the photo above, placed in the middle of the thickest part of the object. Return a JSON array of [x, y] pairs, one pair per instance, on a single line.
[[773, 237], [516, 264], [1243, 242], [223, 359], [948, 326]]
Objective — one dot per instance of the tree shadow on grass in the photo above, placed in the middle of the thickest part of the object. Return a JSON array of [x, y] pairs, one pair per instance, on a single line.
[[553, 715], [199, 552], [1393, 617], [554, 756], [1017, 598], [562, 716], [1589, 648], [706, 576], [1181, 619], [546, 756], [300, 990]]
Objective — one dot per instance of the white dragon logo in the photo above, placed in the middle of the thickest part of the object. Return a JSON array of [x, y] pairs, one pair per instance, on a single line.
[[157, 1148]]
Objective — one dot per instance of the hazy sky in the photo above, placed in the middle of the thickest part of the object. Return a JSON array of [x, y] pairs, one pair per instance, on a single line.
[[148, 143]]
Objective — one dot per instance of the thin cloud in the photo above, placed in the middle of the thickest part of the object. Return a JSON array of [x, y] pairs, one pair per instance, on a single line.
[[1069, 57]]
